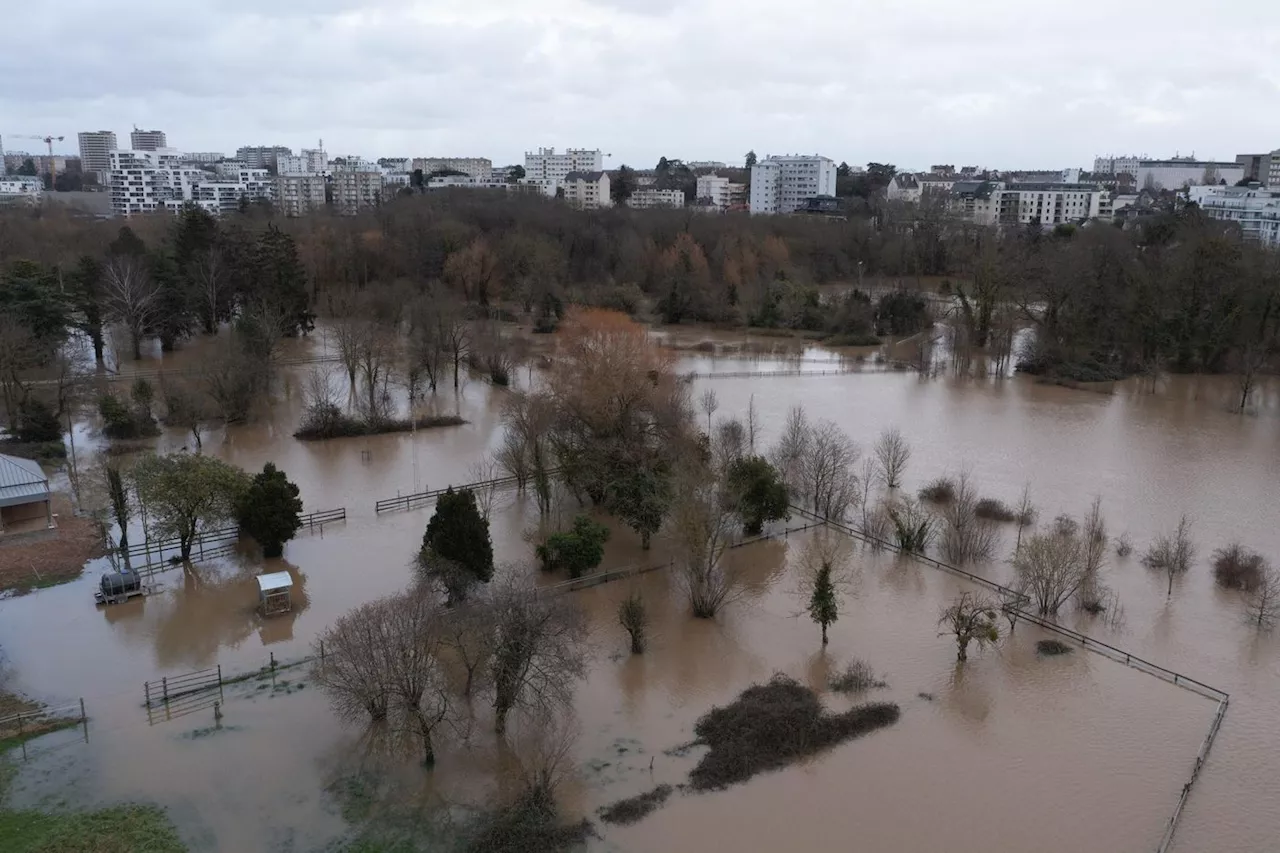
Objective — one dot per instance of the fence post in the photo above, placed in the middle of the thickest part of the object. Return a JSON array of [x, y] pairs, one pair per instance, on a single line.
[[84, 720], [146, 691], [22, 737], [219, 676], [273, 661], [164, 687]]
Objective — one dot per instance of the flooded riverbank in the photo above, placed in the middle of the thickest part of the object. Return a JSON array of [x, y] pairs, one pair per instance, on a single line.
[[1014, 752]]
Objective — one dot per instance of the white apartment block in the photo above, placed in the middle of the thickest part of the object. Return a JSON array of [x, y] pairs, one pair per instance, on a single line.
[[209, 157], [262, 156], [150, 181], [1112, 165], [976, 201], [649, 198], [298, 195], [480, 168], [95, 152], [547, 165], [587, 190], [147, 140], [784, 184], [355, 190], [21, 189], [1050, 204], [219, 197], [545, 186], [309, 161], [715, 189], [1255, 209], [1181, 172]]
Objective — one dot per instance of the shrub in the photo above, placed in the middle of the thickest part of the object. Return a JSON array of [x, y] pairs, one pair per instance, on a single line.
[[1050, 648], [901, 312], [634, 619], [121, 421], [37, 423], [995, 510], [772, 725], [759, 494], [940, 491], [1065, 525], [1124, 547], [852, 339], [530, 823], [269, 510], [578, 550], [1236, 567], [856, 677], [329, 422], [634, 808]]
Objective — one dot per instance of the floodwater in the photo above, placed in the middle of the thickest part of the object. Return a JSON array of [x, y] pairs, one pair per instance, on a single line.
[[1012, 752]]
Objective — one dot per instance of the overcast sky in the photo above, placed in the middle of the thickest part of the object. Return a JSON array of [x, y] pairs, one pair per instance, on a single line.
[[1001, 83]]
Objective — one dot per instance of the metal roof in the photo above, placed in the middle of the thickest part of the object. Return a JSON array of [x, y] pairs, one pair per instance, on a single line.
[[21, 482], [274, 581]]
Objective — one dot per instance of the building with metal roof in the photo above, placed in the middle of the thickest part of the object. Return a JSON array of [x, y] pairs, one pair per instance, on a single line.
[[25, 498]]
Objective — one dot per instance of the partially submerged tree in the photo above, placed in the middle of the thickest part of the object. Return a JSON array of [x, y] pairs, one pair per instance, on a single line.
[[1172, 553], [270, 510], [538, 652], [709, 403], [892, 453], [184, 494], [456, 548], [913, 526], [970, 618], [757, 493], [1237, 567], [701, 528], [578, 550], [1262, 602], [966, 537], [1051, 567], [634, 619], [824, 565]]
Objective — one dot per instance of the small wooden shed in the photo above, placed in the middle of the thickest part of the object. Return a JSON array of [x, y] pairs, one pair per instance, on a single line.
[[26, 502], [273, 593]]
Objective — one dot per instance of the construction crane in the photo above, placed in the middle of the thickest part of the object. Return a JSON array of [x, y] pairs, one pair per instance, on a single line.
[[47, 140]]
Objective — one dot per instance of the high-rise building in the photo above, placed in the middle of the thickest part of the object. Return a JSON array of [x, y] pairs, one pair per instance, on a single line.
[[297, 195], [147, 140], [784, 184], [1254, 209], [152, 181], [262, 156], [310, 161], [713, 189], [356, 189], [547, 165], [95, 152], [480, 168]]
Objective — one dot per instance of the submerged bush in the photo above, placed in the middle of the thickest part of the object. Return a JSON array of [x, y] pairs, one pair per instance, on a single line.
[[1051, 648], [1236, 567], [995, 510], [940, 491], [856, 677], [772, 725], [338, 425], [634, 808]]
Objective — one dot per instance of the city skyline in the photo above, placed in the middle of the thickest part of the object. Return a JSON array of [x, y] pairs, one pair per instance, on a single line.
[[987, 83]]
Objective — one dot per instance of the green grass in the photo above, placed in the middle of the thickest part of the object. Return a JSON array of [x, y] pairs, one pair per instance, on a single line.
[[38, 728], [121, 829]]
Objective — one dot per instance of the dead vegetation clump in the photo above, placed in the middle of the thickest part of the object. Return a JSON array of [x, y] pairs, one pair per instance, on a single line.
[[1236, 567], [994, 509], [940, 491], [530, 823], [772, 725], [632, 809], [856, 677]]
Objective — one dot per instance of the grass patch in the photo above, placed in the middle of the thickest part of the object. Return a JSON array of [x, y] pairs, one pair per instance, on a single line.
[[530, 823], [995, 510], [41, 451], [344, 426], [634, 808], [119, 829], [940, 491], [856, 677], [1052, 648], [853, 339], [772, 725]]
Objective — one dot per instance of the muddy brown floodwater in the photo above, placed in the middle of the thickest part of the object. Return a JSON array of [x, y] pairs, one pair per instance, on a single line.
[[1011, 752]]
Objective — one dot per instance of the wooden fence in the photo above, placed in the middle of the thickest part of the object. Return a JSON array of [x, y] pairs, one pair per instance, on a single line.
[[208, 544], [312, 520], [421, 499]]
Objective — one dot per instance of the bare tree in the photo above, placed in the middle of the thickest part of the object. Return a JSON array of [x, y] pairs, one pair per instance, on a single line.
[[426, 356], [729, 443], [1262, 602], [209, 274], [350, 668], [892, 454], [1051, 568], [1096, 541], [701, 525], [483, 473], [130, 298], [1172, 554], [186, 407], [709, 402], [753, 424], [538, 651], [970, 618], [634, 619], [826, 471], [470, 636], [866, 480], [18, 353], [966, 537], [1026, 515], [788, 454], [456, 337], [527, 446]]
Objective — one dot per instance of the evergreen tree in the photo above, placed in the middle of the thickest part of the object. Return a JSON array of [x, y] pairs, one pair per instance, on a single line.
[[37, 422], [456, 548], [281, 280], [641, 498], [759, 495], [823, 606], [269, 510], [175, 306], [86, 302]]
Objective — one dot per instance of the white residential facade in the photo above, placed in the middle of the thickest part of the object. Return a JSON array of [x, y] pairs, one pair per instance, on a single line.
[[1180, 172], [1051, 203], [587, 190], [309, 161], [480, 168], [714, 189], [95, 152], [782, 184], [1112, 165], [147, 140], [262, 156], [209, 157], [21, 189], [650, 198], [151, 181], [547, 165], [356, 189], [1255, 209]]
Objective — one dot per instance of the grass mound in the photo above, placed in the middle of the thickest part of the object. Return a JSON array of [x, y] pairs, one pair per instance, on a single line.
[[119, 829], [940, 491], [632, 809], [1052, 648], [772, 725], [857, 677]]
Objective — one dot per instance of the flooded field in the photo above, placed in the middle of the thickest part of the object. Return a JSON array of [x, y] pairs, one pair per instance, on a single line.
[[1011, 752]]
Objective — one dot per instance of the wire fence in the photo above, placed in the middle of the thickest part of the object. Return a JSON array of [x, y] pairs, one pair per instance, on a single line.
[[27, 725], [417, 500]]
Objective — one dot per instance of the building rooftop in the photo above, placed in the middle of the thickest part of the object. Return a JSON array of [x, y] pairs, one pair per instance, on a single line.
[[21, 481], [583, 176], [1036, 186]]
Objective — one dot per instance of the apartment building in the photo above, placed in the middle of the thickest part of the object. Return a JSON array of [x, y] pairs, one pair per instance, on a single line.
[[207, 157], [976, 201], [1255, 209], [147, 140], [298, 195], [713, 189], [151, 181], [650, 197], [1263, 168], [219, 197], [480, 168], [21, 189], [547, 165], [355, 190], [783, 184], [587, 190], [262, 156], [1112, 165], [1179, 172], [95, 152], [309, 161], [1049, 203]]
